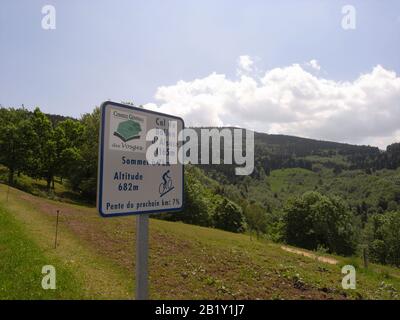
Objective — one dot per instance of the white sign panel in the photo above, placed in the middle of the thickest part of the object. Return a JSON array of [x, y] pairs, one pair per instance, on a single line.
[[129, 182]]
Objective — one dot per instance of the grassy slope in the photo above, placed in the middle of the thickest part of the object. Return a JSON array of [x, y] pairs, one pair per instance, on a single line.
[[21, 262], [91, 271], [185, 261]]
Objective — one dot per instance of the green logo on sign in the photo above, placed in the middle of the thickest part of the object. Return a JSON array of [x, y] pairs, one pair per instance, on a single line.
[[128, 130]]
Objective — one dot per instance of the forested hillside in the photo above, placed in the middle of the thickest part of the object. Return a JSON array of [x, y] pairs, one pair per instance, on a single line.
[[319, 195]]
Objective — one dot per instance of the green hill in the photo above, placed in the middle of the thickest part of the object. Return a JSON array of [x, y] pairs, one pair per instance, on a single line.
[[348, 196], [95, 259]]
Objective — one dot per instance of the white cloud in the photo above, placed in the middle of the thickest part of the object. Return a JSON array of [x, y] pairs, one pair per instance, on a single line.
[[291, 100], [314, 64], [245, 64]]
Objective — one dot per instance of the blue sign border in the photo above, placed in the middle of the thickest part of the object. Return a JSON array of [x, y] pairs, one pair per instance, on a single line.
[[101, 162]]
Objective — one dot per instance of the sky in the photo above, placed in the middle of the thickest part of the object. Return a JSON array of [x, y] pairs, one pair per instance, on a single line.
[[284, 67]]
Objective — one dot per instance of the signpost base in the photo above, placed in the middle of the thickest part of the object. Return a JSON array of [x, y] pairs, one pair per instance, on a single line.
[[142, 252]]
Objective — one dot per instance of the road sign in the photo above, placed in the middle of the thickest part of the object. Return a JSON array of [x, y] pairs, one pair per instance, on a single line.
[[129, 182]]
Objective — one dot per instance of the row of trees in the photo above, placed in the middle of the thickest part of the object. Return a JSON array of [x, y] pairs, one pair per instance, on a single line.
[[31, 143], [316, 221], [45, 147]]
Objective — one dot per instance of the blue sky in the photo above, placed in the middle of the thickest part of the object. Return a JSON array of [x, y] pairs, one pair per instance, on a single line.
[[127, 50]]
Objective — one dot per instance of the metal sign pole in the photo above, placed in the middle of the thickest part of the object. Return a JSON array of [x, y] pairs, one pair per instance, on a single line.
[[142, 254]]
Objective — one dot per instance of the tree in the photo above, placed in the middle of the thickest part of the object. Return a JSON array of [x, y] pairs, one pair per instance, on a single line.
[[256, 218], [382, 203], [73, 131], [228, 216], [314, 220], [197, 203], [80, 156], [45, 148], [85, 177], [69, 138], [383, 234], [16, 141]]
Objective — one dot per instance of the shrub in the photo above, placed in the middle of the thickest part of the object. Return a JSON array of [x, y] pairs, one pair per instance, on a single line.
[[314, 220], [383, 234], [228, 216]]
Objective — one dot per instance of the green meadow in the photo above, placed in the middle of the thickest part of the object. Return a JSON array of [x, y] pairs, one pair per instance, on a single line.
[[94, 259]]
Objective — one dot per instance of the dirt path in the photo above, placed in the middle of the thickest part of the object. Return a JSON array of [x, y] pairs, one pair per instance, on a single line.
[[310, 255]]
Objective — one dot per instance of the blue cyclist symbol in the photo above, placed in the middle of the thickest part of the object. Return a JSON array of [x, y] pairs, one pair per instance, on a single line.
[[165, 186]]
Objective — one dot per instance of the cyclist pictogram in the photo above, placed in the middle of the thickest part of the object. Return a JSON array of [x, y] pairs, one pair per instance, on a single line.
[[165, 186]]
